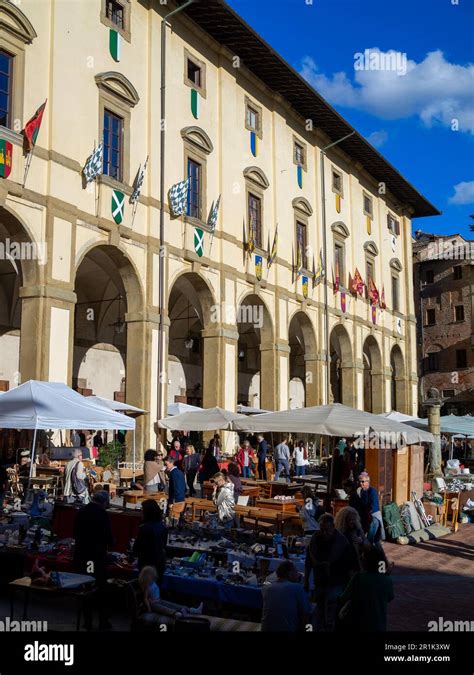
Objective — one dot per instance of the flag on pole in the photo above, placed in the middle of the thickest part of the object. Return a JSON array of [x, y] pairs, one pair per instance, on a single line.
[[273, 253], [138, 186], [382, 300], [357, 287], [373, 292], [319, 273], [32, 127], [94, 164], [213, 213], [178, 197]]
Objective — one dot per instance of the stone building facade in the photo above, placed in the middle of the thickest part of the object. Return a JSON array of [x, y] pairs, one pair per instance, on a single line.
[[84, 306], [444, 303]]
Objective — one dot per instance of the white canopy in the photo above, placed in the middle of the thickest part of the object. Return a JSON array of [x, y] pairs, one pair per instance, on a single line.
[[248, 410], [331, 420], [398, 416], [53, 405], [208, 419], [179, 408], [449, 424], [117, 406]]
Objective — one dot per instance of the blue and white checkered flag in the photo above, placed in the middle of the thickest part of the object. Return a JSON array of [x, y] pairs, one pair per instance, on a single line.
[[213, 213], [178, 197], [94, 165], [138, 187]]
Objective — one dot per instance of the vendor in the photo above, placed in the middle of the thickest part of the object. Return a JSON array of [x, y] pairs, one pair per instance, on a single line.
[[75, 488], [372, 523], [223, 498]]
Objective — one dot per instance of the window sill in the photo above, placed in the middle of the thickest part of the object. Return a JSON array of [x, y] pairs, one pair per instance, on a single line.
[[10, 135], [115, 184], [197, 222]]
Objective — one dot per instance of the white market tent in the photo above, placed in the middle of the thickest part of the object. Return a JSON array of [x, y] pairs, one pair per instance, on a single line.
[[53, 405], [208, 419], [398, 416], [450, 424], [331, 420], [249, 410], [179, 408], [117, 406]]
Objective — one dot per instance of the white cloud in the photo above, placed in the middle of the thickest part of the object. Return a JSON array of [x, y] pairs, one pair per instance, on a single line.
[[463, 193], [435, 90], [378, 138]]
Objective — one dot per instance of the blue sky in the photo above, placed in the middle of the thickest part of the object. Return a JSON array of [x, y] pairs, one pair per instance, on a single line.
[[408, 116]]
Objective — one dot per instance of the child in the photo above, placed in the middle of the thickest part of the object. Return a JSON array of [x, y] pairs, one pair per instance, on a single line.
[[153, 601]]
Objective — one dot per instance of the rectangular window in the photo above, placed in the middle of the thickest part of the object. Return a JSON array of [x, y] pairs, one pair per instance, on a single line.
[[194, 73], [255, 217], [113, 145], [114, 12], [301, 242], [339, 262], [395, 300], [252, 117], [337, 182], [299, 155], [195, 188], [429, 276], [461, 358], [459, 312], [369, 274], [430, 317], [433, 361], [457, 271], [6, 70], [393, 224], [368, 205]]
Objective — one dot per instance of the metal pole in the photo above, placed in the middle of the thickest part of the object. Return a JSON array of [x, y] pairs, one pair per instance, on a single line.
[[325, 261], [161, 277], [32, 458]]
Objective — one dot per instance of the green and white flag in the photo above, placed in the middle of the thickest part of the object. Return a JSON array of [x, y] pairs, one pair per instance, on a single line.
[[199, 241], [118, 205], [195, 103], [115, 45]]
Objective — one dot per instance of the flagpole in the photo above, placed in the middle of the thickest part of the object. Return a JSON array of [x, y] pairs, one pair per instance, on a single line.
[[27, 166]]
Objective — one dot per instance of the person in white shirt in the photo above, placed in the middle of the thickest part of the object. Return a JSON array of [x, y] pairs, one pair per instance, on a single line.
[[75, 488], [299, 456]]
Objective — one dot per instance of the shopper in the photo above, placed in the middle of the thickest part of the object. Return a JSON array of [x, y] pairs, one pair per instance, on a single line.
[[245, 459], [348, 523], [310, 512], [216, 447], [364, 601], [233, 476], [176, 452], [286, 606], [282, 459], [177, 483], [93, 537], [153, 472], [329, 559], [372, 521], [223, 498], [191, 463], [300, 456], [75, 487], [209, 467], [262, 457], [150, 544]]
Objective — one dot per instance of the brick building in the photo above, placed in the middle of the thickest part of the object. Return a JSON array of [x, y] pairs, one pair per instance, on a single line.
[[444, 306]]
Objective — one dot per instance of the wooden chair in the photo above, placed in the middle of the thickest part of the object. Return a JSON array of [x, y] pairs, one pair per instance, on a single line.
[[451, 508]]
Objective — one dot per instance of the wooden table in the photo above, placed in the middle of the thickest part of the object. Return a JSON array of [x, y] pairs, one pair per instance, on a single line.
[[25, 585], [279, 505], [253, 493], [138, 496], [277, 518]]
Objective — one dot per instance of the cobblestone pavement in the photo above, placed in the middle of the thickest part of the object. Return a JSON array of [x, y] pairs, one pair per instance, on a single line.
[[432, 579]]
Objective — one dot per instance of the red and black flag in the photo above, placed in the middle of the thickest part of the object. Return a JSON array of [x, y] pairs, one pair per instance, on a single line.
[[32, 127]]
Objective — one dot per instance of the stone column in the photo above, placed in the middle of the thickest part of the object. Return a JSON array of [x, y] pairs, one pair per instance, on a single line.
[[313, 389], [349, 385], [378, 391], [274, 375], [433, 408]]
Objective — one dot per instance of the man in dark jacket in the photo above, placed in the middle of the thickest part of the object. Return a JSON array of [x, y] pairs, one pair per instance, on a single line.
[[93, 536], [177, 482], [328, 557], [262, 457]]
